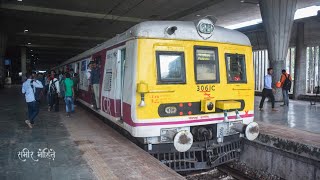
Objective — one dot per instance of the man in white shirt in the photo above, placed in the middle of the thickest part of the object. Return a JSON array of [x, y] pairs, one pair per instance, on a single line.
[[53, 92], [29, 89]]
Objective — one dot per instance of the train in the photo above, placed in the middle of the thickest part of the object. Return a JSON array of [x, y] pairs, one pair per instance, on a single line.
[[183, 89]]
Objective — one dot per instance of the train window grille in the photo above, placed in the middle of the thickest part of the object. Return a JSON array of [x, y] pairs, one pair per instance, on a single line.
[[108, 81], [236, 68], [170, 67], [206, 64]]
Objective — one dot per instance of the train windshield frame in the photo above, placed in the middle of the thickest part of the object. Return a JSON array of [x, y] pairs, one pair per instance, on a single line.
[[171, 67], [236, 68], [206, 64]]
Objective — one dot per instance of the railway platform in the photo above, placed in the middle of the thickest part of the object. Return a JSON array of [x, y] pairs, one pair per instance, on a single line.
[[58, 147], [298, 115], [289, 142]]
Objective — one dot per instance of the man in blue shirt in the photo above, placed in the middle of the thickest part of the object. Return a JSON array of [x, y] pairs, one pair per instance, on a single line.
[[29, 89], [267, 90]]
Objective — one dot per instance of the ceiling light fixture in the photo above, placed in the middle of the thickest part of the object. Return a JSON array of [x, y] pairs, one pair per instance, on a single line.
[[198, 15], [19, 0], [29, 43], [250, 2], [31, 50], [26, 30]]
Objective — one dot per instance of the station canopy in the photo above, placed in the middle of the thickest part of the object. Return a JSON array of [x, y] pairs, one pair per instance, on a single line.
[[54, 31]]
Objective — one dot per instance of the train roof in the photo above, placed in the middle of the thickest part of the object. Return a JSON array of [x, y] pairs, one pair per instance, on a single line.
[[185, 30]]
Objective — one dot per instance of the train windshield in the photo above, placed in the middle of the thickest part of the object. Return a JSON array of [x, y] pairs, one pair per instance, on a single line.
[[206, 64], [171, 68], [236, 68]]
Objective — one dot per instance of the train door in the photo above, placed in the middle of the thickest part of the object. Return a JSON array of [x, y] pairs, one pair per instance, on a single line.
[[77, 68], [122, 58]]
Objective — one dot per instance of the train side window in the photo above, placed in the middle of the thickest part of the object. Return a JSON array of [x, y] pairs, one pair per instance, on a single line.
[[236, 68], [206, 64], [170, 67]]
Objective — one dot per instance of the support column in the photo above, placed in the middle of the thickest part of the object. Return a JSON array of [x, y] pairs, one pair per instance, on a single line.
[[277, 16], [300, 64], [23, 62], [3, 46]]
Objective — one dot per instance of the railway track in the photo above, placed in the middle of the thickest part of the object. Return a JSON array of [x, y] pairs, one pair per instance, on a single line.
[[234, 173]]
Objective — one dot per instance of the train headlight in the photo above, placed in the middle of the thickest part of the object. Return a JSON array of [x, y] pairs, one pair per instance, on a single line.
[[210, 106]]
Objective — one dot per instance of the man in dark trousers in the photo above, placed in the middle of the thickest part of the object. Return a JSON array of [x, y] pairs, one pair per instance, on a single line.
[[267, 90], [286, 86], [54, 92], [28, 89]]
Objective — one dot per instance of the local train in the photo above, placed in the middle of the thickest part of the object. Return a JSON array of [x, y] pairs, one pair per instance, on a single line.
[[184, 89]]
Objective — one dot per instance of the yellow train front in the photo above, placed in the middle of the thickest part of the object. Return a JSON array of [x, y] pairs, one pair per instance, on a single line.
[[185, 90], [194, 94]]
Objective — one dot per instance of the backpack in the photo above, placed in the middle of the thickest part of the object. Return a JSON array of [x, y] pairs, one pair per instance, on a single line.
[[52, 87], [37, 92], [287, 83]]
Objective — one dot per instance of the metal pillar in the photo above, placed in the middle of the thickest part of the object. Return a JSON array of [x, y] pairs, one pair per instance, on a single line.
[[277, 16], [23, 62], [300, 63]]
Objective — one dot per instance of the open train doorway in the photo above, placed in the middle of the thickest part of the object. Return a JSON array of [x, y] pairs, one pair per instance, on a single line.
[[122, 62]]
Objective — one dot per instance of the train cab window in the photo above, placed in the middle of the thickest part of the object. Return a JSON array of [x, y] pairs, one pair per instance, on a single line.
[[170, 67], [236, 68], [206, 64]]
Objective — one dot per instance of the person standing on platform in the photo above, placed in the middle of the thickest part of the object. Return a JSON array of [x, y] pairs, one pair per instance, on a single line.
[[47, 82], [75, 80], [285, 81], [60, 75], [40, 78], [54, 92], [88, 73], [268, 90], [95, 82], [28, 89], [69, 94], [61, 83]]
